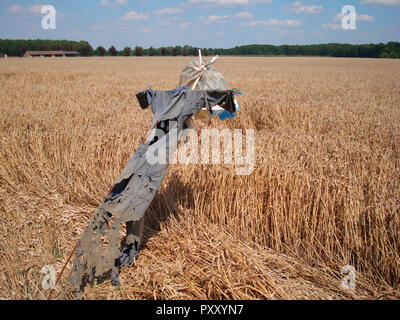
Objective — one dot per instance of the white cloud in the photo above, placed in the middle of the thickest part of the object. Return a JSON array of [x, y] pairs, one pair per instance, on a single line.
[[168, 11], [333, 26], [244, 15], [164, 23], [339, 17], [274, 23], [213, 19], [381, 2], [365, 17], [97, 27], [299, 7], [361, 17], [226, 2], [108, 3], [37, 8], [183, 25], [133, 15], [15, 9]]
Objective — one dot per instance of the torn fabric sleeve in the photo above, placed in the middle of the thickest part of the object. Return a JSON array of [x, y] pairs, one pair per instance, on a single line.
[[138, 183]]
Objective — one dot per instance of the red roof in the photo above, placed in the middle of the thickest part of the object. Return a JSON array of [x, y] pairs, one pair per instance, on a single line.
[[52, 52]]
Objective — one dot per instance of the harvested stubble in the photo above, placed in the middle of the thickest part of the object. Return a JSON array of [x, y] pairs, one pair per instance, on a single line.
[[324, 192]]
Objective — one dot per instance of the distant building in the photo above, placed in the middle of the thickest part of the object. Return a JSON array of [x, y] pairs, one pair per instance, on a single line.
[[53, 53]]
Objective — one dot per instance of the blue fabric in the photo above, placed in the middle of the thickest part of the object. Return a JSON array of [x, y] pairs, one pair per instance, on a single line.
[[223, 114], [226, 115]]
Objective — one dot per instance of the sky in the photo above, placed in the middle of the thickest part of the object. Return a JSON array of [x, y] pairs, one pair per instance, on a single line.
[[202, 23]]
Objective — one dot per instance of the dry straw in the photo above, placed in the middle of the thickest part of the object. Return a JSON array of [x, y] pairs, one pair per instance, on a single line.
[[324, 192]]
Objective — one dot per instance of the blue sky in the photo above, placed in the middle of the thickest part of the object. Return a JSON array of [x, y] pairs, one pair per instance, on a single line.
[[204, 23]]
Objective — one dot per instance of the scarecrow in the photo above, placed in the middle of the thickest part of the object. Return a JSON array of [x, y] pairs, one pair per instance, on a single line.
[[202, 91]]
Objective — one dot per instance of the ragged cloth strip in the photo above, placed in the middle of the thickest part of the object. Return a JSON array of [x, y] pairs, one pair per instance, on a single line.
[[99, 254]]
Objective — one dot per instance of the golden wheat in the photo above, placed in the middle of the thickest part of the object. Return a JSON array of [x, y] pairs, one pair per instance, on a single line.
[[324, 193]]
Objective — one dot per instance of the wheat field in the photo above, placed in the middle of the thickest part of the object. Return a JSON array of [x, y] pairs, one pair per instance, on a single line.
[[324, 192]]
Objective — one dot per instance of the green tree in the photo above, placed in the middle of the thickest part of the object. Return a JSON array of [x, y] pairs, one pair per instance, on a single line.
[[178, 50], [84, 48], [101, 51], [391, 49], [112, 51], [127, 51], [138, 51]]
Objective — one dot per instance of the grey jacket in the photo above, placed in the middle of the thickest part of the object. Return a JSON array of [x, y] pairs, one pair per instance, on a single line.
[[139, 181]]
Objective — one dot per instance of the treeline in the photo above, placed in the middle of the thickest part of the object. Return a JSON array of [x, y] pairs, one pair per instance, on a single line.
[[140, 51], [381, 50], [19, 47]]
